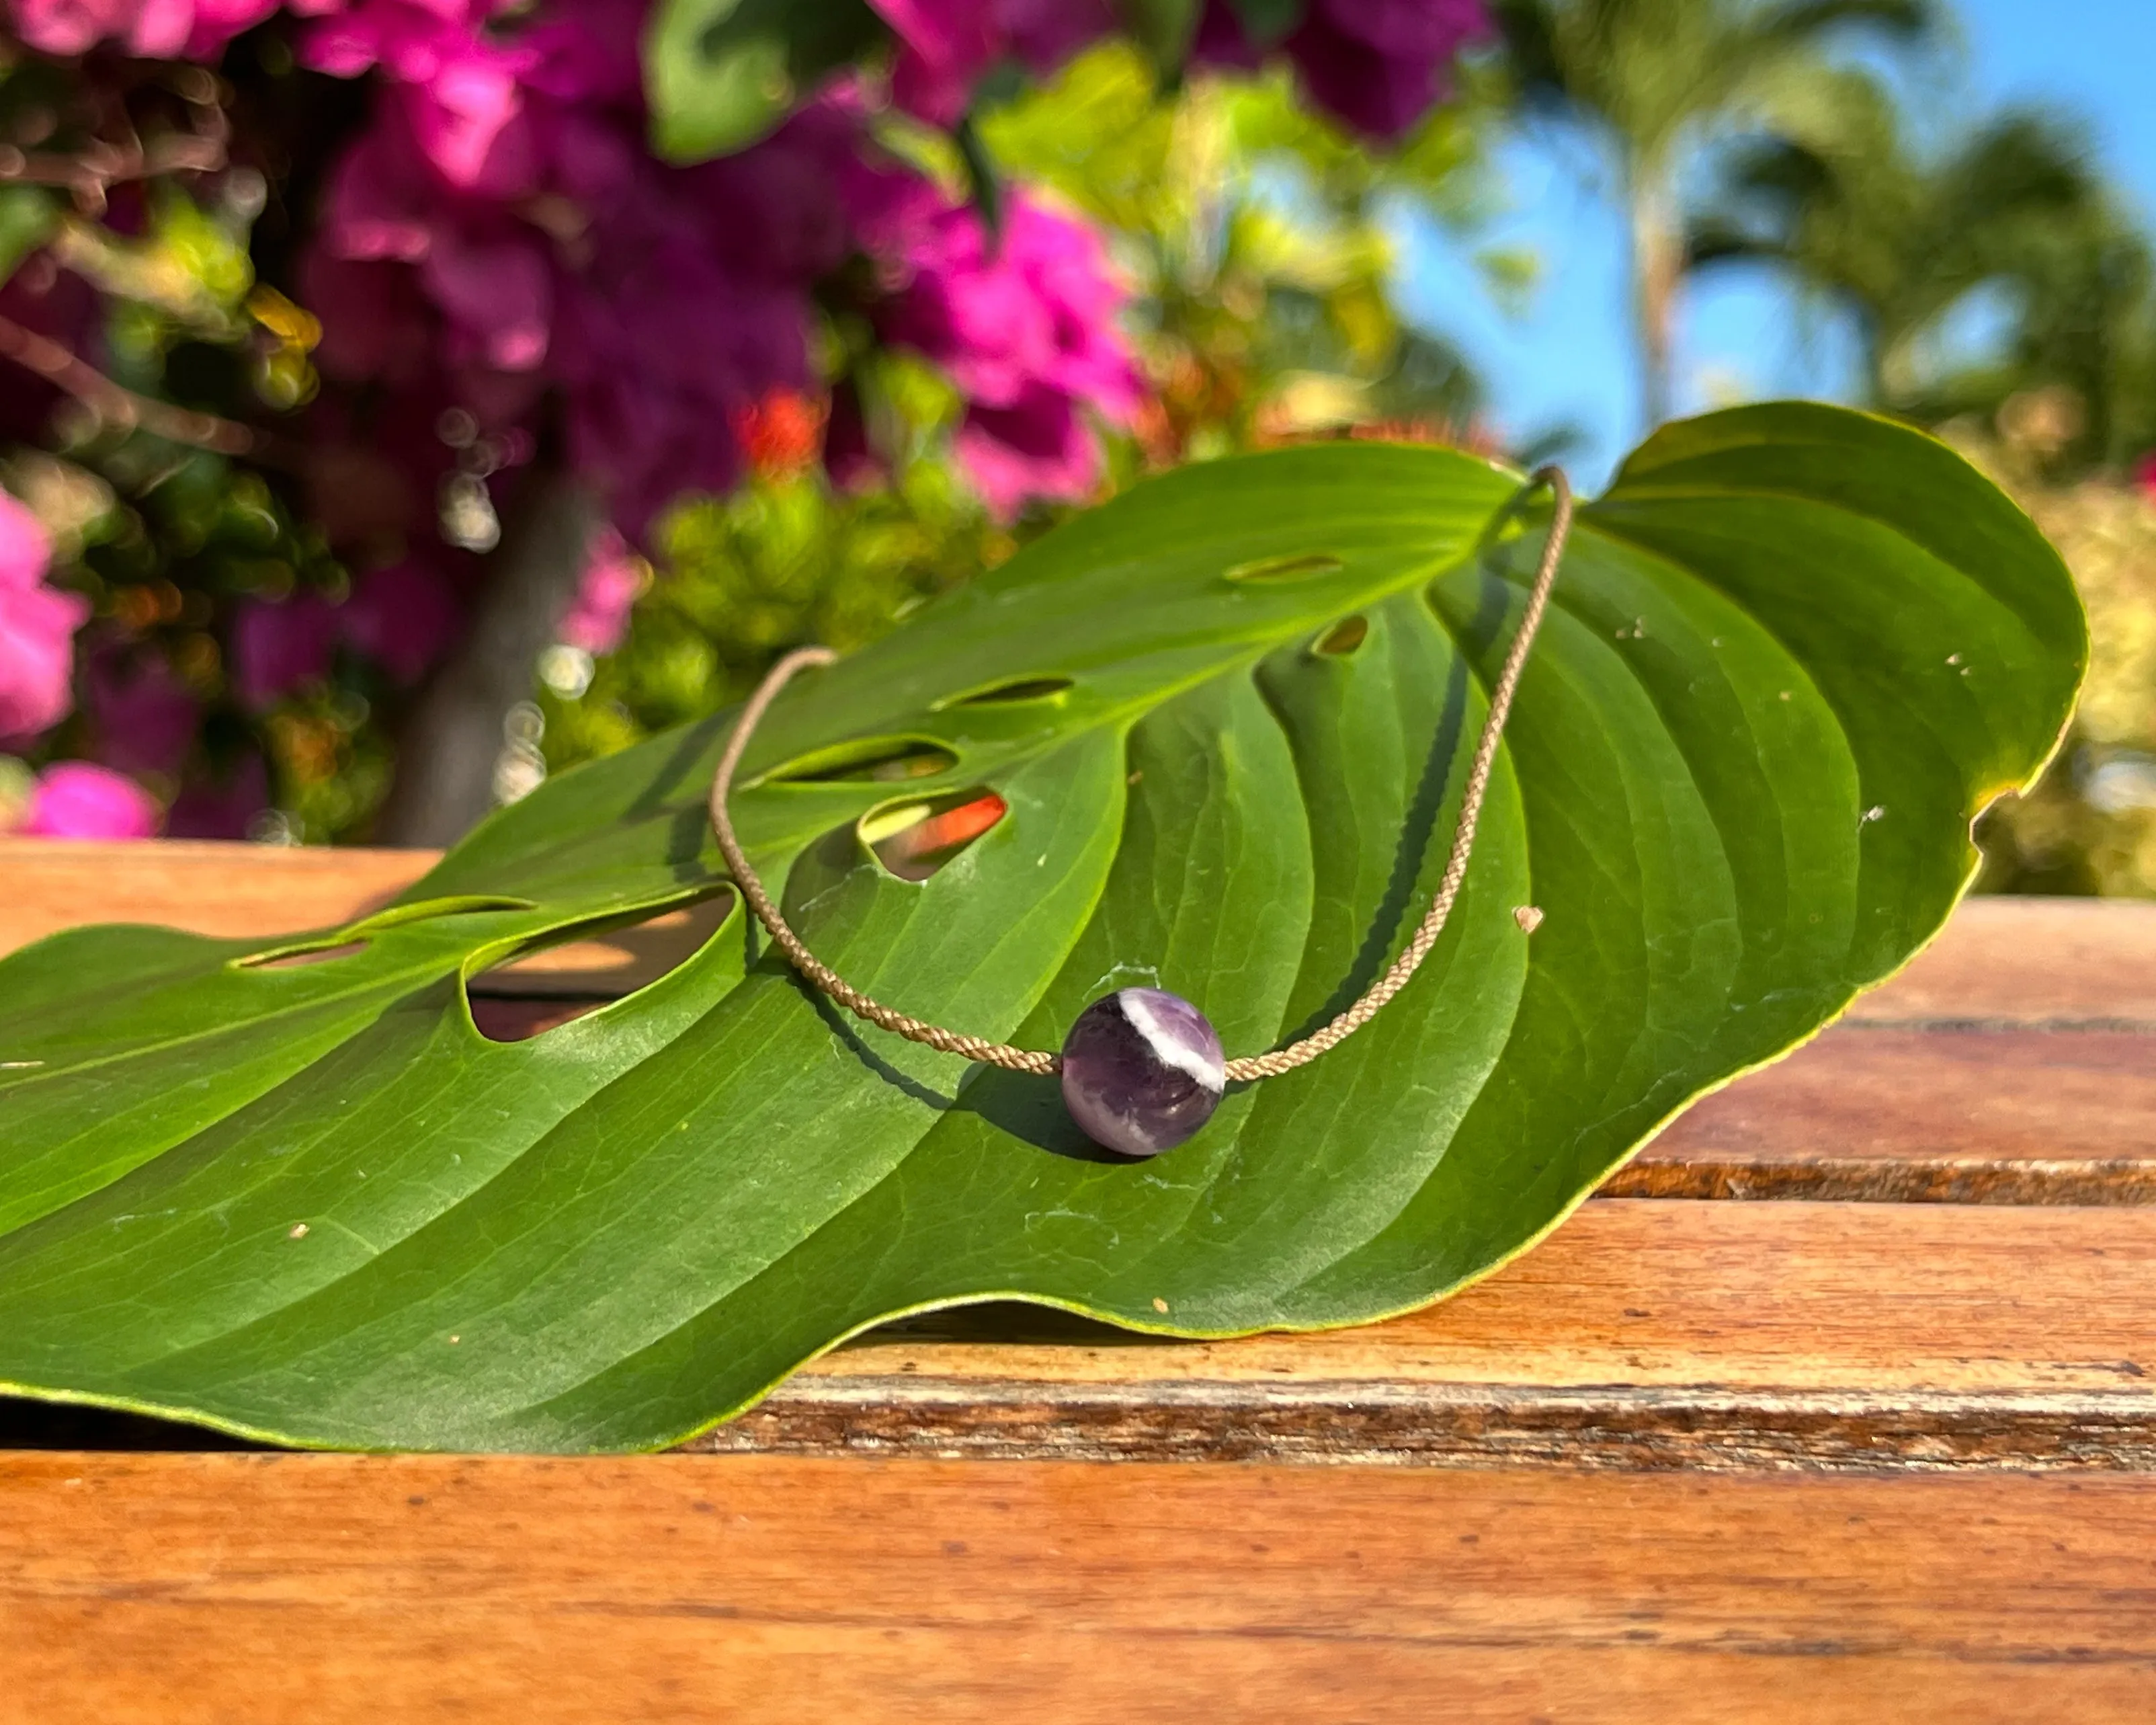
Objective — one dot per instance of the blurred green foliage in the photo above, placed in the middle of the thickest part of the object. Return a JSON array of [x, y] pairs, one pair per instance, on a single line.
[[2009, 217], [2090, 825], [787, 558]]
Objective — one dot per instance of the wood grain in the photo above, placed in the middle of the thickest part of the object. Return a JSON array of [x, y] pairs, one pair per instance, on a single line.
[[1686, 1463], [1944, 1115], [2036, 962], [192, 1589], [246, 889], [1642, 1335], [205, 887]]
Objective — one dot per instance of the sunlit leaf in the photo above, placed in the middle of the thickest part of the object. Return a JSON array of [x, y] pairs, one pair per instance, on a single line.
[[1793, 650]]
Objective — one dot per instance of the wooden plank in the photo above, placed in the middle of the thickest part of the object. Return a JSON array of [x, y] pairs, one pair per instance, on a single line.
[[578, 977], [245, 889], [191, 1590], [2041, 963], [2013, 1063], [205, 887], [1642, 1335], [1876, 1114]]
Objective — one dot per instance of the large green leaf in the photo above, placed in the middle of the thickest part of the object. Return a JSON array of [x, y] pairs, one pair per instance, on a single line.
[[1793, 650]]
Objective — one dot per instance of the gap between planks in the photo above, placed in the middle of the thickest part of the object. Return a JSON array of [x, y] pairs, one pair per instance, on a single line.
[[1643, 1335]]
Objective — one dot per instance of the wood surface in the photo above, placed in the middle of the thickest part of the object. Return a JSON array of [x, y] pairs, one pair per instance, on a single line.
[[1644, 1334], [237, 890], [199, 1590], [1923, 1115], [1880, 1451], [203, 886]]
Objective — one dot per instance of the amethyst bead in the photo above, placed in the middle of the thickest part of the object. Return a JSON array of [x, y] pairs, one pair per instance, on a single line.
[[1142, 1070]]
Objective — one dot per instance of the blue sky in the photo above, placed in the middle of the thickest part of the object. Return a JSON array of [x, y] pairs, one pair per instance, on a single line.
[[1568, 359]]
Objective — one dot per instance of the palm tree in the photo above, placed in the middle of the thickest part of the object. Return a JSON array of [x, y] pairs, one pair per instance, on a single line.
[[1656, 80], [1899, 239]]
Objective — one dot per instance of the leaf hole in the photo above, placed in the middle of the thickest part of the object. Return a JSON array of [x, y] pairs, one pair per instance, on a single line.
[[1343, 637], [290, 958], [1011, 693], [576, 970], [1300, 566], [913, 839], [865, 761]]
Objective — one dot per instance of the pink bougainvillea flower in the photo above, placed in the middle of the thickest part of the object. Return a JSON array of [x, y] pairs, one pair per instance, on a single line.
[[486, 275], [37, 638], [945, 46], [76, 800], [1039, 307], [685, 302], [659, 304], [1376, 65], [279, 648], [70, 26], [1027, 331], [497, 295], [145, 716], [598, 617], [460, 85], [665, 308], [152, 29], [1038, 446], [403, 617], [380, 203], [36, 629]]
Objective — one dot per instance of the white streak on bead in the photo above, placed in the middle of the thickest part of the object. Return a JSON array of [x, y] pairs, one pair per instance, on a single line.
[[1169, 1049]]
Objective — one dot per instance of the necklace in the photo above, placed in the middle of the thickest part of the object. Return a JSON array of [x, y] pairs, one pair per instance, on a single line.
[[1142, 1069]]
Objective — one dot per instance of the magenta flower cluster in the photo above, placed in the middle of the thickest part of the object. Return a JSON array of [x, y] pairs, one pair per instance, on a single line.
[[499, 250], [502, 233], [73, 799]]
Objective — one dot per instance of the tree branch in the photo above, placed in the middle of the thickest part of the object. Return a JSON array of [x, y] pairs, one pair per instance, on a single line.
[[91, 172], [116, 404]]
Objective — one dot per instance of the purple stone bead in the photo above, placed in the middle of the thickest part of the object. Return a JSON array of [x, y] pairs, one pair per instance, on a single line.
[[1141, 1071]]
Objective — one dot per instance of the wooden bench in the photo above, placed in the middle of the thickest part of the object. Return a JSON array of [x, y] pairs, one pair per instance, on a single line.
[[1835, 1405]]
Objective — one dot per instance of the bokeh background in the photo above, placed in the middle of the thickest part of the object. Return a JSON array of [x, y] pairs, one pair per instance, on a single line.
[[404, 401]]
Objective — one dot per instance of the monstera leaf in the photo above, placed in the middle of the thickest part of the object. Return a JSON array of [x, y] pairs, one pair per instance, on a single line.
[[1793, 650]]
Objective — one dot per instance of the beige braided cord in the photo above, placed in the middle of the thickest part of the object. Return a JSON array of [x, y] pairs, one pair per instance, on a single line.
[[950, 1042], [1042, 1063]]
